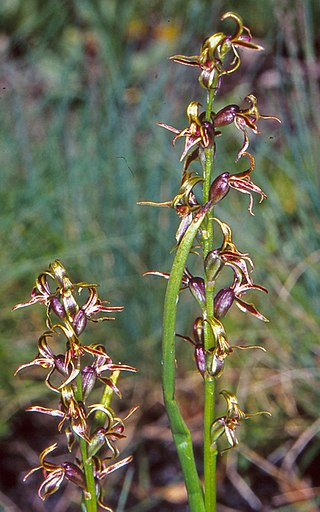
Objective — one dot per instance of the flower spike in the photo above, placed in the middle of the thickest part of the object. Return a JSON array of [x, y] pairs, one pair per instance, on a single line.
[[75, 385]]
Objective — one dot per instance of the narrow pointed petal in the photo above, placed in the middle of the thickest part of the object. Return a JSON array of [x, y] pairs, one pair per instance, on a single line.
[[250, 308]]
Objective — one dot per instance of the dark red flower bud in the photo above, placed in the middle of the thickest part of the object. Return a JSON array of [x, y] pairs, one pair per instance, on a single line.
[[219, 188], [213, 265], [223, 302], [74, 474], [197, 287], [79, 322], [226, 115], [89, 377], [57, 307]]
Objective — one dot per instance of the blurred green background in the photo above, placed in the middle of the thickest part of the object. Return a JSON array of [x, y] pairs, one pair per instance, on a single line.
[[83, 84]]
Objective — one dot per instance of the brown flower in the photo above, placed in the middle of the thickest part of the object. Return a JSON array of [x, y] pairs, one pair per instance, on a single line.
[[243, 119], [214, 50]]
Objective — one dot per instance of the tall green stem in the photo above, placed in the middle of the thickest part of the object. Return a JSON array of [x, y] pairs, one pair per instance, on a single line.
[[89, 496], [209, 383], [180, 431]]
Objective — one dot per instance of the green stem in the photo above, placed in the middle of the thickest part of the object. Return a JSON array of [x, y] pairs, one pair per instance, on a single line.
[[89, 496], [105, 401], [180, 431], [209, 382]]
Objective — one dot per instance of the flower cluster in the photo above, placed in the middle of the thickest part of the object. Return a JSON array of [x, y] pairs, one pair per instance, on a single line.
[[218, 58], [94, 428]]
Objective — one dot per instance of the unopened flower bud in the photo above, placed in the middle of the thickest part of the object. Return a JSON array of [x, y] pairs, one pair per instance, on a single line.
[[89, 377], [197, 287], [213, 265], [79, 322], [219, 188], [223, 302]]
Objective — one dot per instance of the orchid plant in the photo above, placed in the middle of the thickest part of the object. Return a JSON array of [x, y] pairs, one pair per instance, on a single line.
[[219, 57], [91, 430]]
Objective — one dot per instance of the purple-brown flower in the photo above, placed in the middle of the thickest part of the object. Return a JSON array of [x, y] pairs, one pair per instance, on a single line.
[[227, 296], [55, 474], [243, 119], [240, 181], [195, 284], [228, 424], [48, 360], [70, 410], [102, 362], [199, 133]]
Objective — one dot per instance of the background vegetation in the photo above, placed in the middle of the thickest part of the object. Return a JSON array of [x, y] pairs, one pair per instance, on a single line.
[[82, 86]]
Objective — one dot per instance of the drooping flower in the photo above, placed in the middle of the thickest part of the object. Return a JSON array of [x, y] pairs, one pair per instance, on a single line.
[[102, 469], [92, 307], [199, 133], [42, 294], [71, 410], [243, 119], [48, 360], [227, 296], [55, 474], [102, 362], [111, 431], [228, 424], [194, 284], [215, 48], [240, 181], [229, 255], [184, 203]]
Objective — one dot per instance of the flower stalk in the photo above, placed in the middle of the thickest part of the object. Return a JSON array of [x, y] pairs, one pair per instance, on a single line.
[[209, 456], [219, 57]]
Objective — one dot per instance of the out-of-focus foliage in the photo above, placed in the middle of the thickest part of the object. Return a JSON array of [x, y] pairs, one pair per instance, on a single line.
[[82, 86]]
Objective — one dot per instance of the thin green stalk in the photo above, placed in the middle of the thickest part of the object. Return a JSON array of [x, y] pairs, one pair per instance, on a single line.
[[89, 496], [105, 401], [180, 431], [209, 381]]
